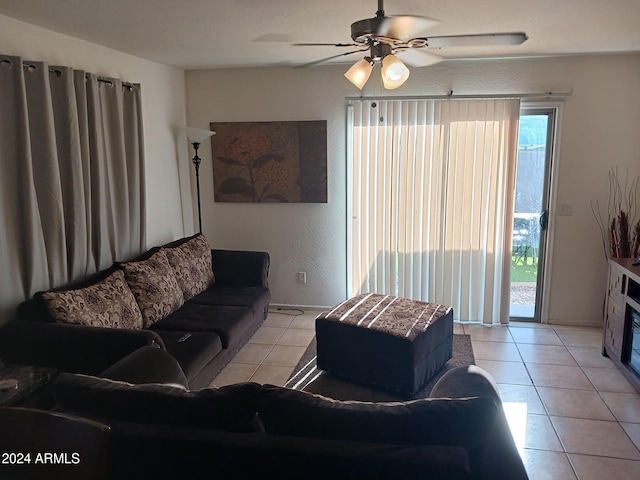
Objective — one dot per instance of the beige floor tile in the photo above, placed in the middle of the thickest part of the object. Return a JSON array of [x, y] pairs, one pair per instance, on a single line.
[[458, 329], [539, 336], [267, 335], [506, 372], [234, 373], [284, 355], [540, 435], [528, 325], [560, 376], [304, 321], [579, 336], [547, 354], [516, 414], [494, 333], [507, 352], [625, 406], [253, 353], [633, 430], [608, 380], [526, 394], [601, 468], [590, 357], [272, 374], [544, 465], [299, 337], [564, 402], [278, 320], [594, 437]]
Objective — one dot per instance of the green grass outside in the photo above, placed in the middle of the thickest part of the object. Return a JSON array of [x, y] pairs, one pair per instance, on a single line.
[[523, 272]]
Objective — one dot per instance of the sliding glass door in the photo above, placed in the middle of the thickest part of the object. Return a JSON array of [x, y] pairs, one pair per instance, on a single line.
[[531, 212]]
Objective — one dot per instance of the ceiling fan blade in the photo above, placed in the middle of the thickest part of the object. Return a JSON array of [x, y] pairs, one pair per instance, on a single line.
[[405, 27], [332, 57], [325, 45], [482, 39], [417, 57], [273, 38]]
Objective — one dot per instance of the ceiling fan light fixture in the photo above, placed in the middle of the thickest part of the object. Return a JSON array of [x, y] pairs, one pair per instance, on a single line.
[[394, 72], [360, 72]]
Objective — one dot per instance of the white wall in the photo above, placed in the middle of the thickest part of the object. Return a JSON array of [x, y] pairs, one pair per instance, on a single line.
[[299, 237], [163, 103], [600, 129]]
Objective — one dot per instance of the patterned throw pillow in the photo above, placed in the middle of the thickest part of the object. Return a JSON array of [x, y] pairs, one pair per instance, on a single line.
[[108, 303], [154, 286], [191, 263]]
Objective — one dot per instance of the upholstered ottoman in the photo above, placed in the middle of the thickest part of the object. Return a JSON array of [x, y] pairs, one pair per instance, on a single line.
[[390, 342]]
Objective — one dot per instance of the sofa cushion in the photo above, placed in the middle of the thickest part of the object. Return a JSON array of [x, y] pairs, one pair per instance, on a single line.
[[193, 354], [107, 303], [256, 298], [230, 323], [191, 263], [464, 422], [154, 286], [231, 408]]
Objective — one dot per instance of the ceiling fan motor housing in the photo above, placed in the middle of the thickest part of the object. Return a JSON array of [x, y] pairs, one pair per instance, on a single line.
[[363, 31]]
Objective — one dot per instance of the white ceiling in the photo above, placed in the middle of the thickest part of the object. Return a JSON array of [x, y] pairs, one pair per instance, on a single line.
[[196, 34]]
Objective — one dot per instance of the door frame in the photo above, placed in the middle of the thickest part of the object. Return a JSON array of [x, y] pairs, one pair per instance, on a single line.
[[545, 254]]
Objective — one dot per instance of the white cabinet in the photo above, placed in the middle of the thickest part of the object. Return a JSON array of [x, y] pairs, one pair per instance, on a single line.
[[623, 296]]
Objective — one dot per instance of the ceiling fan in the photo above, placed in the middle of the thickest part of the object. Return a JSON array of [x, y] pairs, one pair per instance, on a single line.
[[386, 38]]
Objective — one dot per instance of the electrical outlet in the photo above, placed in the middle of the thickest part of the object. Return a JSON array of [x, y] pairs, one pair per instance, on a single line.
[[566, 209], [302, 277]]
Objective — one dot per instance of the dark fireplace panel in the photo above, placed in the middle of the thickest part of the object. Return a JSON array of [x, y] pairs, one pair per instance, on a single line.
[[634, 340]]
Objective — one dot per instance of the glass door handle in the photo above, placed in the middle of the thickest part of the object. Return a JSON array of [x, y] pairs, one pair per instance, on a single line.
[[544, 219]]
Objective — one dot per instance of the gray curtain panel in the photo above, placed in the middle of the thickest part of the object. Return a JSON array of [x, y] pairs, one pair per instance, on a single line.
[[71, 176]]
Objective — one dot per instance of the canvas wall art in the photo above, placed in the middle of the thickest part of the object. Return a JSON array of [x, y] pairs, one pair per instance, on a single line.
[[270, 162]]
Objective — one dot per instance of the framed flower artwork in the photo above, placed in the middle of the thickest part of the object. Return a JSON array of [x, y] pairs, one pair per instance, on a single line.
[[270, 162]]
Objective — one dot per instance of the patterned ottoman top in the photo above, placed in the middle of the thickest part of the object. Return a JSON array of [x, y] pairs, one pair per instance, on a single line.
[[397, 316]]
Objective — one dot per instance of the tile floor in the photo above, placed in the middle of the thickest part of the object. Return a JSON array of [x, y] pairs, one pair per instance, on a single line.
[[572, 414], [273, 351]]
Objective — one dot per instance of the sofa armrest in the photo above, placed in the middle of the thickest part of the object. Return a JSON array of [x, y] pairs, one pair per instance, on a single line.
[[71, 348], [463, 382], [498, 458], [147, 365], [237, 268]]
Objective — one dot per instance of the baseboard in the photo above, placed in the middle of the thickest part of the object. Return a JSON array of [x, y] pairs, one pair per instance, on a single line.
[[282, 306], [575, 323]]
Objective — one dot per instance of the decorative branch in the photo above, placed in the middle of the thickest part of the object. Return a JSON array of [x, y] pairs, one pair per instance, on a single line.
[[624, 240], [595, 209]]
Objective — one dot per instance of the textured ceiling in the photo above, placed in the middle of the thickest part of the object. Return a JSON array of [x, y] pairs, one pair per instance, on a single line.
[[195, 34]]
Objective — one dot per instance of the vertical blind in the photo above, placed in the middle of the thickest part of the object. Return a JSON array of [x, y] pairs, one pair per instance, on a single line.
[[72, 177], [432, 187]]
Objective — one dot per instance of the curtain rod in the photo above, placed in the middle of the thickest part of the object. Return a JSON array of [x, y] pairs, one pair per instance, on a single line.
[[451, 95], [58, 72]]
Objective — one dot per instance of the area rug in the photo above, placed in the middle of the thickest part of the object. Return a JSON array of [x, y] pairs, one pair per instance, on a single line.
[[307, 377]]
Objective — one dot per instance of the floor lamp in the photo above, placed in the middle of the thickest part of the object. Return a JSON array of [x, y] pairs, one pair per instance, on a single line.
[[196, 137]]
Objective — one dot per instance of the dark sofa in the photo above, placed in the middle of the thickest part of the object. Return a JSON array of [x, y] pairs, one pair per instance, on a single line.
[[248, 431], [223, 313]]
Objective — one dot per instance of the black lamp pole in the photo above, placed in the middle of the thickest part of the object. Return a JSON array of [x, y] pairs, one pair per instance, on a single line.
[[196, 162]]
